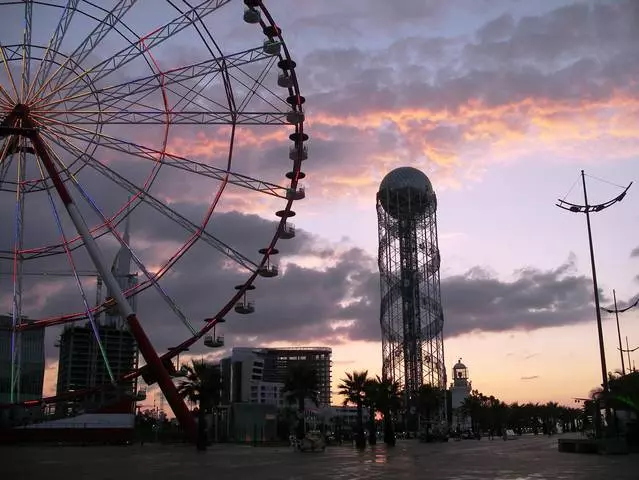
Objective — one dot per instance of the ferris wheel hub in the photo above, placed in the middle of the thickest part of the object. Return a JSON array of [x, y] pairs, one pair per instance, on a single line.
[[21, 110], [14, 122]]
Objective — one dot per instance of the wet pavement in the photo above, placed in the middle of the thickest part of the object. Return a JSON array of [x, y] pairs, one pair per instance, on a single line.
[[527, 458]]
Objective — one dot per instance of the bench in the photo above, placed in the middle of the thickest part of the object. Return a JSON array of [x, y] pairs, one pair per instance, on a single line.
[[578, 445]]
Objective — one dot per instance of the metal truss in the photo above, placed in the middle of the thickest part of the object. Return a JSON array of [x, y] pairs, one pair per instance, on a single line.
[[144, 196], [47, 61], [84, 49], [135, 50], [26, 49], [109, 96], [158, 116], [176, 161], [411, 317]]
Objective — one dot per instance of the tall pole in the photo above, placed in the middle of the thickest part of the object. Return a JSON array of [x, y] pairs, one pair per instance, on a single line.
[[602, 352], [628, 351], [623, 368]]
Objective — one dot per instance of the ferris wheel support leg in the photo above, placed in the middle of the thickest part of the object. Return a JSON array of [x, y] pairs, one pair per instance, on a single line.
[[148, 352]]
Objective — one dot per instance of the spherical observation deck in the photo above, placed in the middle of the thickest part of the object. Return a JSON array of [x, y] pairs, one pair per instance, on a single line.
[[406, 191]]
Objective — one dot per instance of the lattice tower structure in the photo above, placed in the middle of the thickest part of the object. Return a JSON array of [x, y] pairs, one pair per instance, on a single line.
[[411, 315]]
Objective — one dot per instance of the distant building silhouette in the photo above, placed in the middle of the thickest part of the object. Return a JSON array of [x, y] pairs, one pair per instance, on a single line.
[[31, 362], [81, 364]]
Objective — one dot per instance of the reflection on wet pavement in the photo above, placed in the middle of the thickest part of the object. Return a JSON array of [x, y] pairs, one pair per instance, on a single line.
[[528, 458]]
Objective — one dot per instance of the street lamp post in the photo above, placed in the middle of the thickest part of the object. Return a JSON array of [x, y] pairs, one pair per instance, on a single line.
[[628, 350], [623, 368], [617, 311], [587, 209]]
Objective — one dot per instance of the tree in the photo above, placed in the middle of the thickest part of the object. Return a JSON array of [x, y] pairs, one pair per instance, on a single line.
[[624, 391], [301, 383], [353, 390], [372, 402], [388, 403], [429, 399], [202, 384], [497, 415], [551, 415], [472, 408]]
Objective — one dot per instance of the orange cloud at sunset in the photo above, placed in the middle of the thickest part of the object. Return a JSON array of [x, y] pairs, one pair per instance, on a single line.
[[486, 135]]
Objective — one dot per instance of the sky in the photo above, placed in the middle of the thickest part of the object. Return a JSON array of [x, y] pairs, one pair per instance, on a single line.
[[500, 103]]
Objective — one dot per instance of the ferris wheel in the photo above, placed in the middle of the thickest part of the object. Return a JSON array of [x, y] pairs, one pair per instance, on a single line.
[[110, 109]]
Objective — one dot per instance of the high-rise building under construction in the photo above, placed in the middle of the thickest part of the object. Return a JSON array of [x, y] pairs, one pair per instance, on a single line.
[[88, 357]]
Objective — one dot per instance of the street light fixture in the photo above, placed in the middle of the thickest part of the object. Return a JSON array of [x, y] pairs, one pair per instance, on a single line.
[[587, 209]]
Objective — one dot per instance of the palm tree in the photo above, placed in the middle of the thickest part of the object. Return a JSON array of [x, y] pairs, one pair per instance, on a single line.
[[353, 390], [372, 401], [202, 384], [552, 412], [301, 382], [498, 414], [389, 402]]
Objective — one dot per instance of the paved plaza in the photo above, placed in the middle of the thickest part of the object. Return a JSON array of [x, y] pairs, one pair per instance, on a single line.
[[527, 458]]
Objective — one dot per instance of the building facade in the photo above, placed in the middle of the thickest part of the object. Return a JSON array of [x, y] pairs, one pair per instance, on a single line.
[[257, 375], [31, 362], [82, 365]]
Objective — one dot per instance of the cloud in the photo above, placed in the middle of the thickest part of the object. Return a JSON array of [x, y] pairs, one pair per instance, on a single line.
[[326, 293], [532, 377], [534, 299], [635, 252], [560, 83]]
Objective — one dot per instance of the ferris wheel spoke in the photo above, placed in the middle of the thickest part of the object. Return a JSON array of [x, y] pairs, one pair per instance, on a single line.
[[18, 263], [144, 44], [197, 231], [5, 159], [179, 76], [176, 161], [74, 272], [26, 49], [84, 49], [126, 245], [5, 98], [47, 62]]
